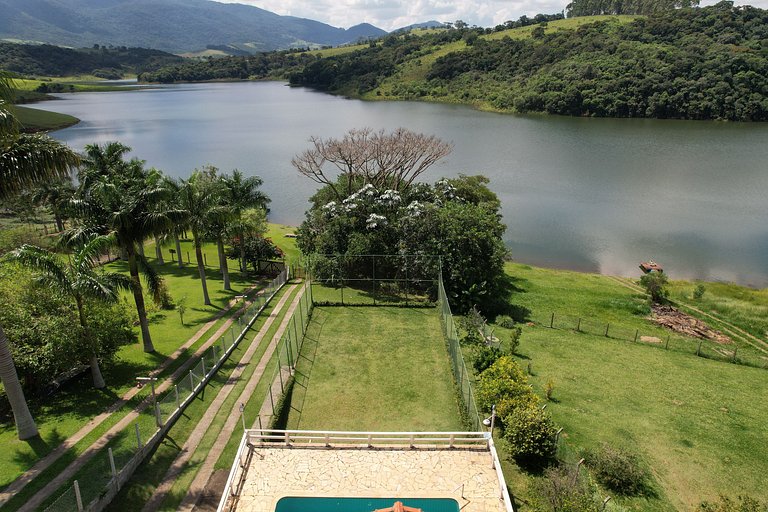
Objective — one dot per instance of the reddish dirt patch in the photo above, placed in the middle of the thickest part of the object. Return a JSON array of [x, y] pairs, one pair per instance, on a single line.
[[683, 323], [209, 500]]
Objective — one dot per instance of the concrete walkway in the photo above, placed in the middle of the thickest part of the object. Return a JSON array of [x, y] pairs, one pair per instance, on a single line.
[[89, 452], [194, 439]]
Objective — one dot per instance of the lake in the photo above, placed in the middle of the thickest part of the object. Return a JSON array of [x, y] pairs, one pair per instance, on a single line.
[[596, 195]]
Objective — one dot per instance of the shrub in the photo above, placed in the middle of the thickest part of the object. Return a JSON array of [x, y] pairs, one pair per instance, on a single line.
[[698, 292], [726, 504], [530, 433], [514, 340], [549, 389], [562, 489], [505, 385], [655, 284], [505, 321], [485, 356], [618, 470]]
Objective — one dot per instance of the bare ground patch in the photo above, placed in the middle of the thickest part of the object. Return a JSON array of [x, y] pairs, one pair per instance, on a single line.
[[683, 323]]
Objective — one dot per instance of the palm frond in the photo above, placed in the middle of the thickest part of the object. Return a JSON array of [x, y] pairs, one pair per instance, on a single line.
[[45, 262], [154, 280], [31, 159]]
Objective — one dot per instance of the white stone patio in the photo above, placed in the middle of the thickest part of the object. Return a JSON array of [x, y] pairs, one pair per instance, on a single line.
[[464, 474]]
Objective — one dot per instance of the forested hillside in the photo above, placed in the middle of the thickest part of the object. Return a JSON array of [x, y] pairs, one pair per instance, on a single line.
[[49, 60], [696, 63]]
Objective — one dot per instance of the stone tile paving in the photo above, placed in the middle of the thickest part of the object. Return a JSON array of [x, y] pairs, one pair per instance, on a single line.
[[276, 472]]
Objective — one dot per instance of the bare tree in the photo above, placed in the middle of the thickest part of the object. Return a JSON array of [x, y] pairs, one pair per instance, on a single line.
[[385, 160]]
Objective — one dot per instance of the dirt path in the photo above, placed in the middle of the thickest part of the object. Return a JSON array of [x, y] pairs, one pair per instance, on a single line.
[[233, 417], [727, 327], [49, 459]]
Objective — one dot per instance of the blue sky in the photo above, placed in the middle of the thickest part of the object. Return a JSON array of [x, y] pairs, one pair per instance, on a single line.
[[392, 14]]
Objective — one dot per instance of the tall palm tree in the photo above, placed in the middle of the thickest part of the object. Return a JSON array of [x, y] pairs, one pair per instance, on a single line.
[[125, 200], [243, 194], [79, 280], [25, 160], [174, 201], [200, 198]]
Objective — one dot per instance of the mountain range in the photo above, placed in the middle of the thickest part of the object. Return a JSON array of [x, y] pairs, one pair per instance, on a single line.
[[176, 26]]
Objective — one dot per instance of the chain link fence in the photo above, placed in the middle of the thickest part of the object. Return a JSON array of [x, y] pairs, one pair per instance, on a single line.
[[460, 373], [373, 279], [103, 475]]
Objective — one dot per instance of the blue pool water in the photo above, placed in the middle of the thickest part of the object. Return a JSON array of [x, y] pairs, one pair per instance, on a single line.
[[303, 504]]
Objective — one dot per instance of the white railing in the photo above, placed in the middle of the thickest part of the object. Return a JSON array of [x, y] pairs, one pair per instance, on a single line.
[[342, 439], [346, 438]]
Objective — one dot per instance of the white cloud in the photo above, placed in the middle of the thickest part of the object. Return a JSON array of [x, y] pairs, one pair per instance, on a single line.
[[393, 14]]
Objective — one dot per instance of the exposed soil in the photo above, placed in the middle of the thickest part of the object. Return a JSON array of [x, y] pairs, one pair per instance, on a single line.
[[683, 323], [209, 500]]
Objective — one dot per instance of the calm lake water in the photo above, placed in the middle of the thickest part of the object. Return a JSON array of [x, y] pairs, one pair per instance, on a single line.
[[586, 194]]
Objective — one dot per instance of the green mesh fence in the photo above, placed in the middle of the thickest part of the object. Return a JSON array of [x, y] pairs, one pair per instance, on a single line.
[[457, 359], [373, 279], [97, 473]]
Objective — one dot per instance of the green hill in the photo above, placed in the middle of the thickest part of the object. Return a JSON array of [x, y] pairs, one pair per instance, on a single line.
[[707, 63]]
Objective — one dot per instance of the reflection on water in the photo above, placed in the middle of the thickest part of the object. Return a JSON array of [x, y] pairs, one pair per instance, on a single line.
[[586, 194]]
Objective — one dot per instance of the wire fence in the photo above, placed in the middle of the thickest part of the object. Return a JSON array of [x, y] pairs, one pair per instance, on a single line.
[[373, 279], [725, 352], [287, 351], [103, 476], [460, 373]]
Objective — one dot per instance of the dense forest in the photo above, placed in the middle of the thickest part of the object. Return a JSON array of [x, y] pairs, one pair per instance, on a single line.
[[259, 66], [100, 61], [695, 63], [597, 7]]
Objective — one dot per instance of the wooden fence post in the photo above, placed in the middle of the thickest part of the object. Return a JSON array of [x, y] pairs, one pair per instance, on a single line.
[[552, 320], [578, 325], [606, 329], [698, 350]]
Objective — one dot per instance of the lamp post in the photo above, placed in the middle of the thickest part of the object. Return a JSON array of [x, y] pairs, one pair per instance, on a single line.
[[490, 421], [151, 381]]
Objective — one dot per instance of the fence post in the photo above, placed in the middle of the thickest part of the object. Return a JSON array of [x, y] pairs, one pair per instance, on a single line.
[[112, 463], [734, 354], [606, 329], [178, 401], [138, 436], [78, 498], [301, 313], [552, 321], [271, 400], [202, 363], [205, 259], [636, 333], [698, 350], [191, 380], [224, 344], [188, 257], [374, 279], [295, 331], [578, 325], [213, 350], [280, 372], [667, 345], [289, 355]]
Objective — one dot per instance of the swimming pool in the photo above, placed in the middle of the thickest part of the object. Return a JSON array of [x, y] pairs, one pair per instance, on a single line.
[[304, 504]]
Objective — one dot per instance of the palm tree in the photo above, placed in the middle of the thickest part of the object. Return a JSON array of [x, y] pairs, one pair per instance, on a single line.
[[25, 160], [56, 195], [174, 201], [127, 201], [200, 198], [243, 194], [78, 280]]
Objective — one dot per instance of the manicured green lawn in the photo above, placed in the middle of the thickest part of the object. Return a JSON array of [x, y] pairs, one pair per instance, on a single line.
[[699, 424], [33, 119], [61, 415], [374, 369]]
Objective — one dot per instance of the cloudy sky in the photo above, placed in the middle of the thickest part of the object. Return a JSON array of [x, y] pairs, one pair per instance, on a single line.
[[392, 14]]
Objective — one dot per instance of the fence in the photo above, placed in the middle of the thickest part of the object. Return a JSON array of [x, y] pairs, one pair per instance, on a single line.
[[288, 350], [462, 376], [358, 440], [373, 279], [700, 347], [109, 471]]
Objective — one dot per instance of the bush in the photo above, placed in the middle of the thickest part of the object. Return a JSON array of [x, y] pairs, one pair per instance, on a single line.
[[564, 490], [485, 356], [655, 284], [514, 340], [549, 389], [505, 321], [530, 433], [617, 470], [505, 385], [726, 504], [698, 292]]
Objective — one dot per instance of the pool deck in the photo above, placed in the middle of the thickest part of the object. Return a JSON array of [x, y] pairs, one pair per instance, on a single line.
[[464, 474]]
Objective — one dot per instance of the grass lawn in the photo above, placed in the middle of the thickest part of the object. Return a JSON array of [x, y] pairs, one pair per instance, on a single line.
[[67, 411], [696, 423], [374, 369]]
